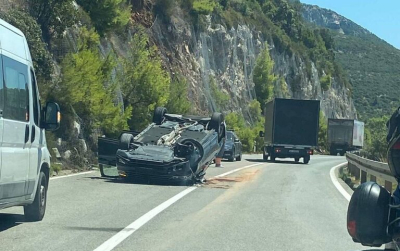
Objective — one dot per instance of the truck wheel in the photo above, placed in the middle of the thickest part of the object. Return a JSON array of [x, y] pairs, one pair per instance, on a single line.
[[273, 158], [239, 158], [265, 157], [216, 123], [341, 153], [36, 210], [306, 159], [125, 141], [296, 159], [158, 116]]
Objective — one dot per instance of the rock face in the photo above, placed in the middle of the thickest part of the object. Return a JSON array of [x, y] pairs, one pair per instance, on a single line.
[[229, 56]]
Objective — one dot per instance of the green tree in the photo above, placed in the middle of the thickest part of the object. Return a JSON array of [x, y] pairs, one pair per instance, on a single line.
[[54, 16], [323, 132], [83, 77], [178, 98], [376, 131], [263, 76], [40, 55], [221, 98], [144, 83], [107, 14]]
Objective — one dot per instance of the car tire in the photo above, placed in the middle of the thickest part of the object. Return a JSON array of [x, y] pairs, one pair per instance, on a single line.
[[239, 158], [306, 159], [125, 141], [216, 124], [36, 210], [159, 114]]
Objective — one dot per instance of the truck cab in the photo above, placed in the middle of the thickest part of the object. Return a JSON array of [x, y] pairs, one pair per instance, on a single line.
[[24, 157]]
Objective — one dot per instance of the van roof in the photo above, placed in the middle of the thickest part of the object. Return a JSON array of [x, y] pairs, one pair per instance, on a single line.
[[13, 42], [12, 28]]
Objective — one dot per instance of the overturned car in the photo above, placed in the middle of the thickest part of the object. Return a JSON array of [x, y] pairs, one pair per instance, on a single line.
[[174, 148]]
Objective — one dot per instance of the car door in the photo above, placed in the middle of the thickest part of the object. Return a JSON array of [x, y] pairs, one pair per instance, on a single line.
[[35, 137], [16, 129]]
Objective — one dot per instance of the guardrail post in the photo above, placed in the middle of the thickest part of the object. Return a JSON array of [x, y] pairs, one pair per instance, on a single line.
[[388, 185], [372, 178], [363, 176]]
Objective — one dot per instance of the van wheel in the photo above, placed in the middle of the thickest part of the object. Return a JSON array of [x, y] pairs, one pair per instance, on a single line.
[[36, 210]]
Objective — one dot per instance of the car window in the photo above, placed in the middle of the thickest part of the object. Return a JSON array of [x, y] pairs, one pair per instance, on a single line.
[[36, 104], [16, 91], [229, 136]]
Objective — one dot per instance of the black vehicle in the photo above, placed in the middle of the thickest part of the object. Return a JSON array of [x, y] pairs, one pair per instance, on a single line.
[[291, 129], [373, 215], [233, 147], [173, 148]]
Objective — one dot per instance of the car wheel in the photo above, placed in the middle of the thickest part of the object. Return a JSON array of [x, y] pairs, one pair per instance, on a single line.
[[216, 123], [239, 158], [125, 141], [158, 116], [36, 210]]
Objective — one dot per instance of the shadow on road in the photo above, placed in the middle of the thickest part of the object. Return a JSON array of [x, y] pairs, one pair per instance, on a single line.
[[8, 221], [275, 162], [97, 229], [118, 180]]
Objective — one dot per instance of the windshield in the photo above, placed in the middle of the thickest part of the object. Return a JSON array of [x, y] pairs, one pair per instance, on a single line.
[[229, 136]]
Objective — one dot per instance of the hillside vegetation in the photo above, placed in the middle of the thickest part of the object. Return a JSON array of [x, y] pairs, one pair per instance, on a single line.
[[108, 92]]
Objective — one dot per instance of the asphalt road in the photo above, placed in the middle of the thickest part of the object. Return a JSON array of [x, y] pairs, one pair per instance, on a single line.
[[268, 206]]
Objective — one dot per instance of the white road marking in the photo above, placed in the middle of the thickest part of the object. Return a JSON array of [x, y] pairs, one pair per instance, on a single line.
[[237, 170], [336, 182], [70, 175], [114, 241]]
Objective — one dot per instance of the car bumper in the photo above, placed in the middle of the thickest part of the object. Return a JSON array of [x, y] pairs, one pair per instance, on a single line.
[[152, 170]]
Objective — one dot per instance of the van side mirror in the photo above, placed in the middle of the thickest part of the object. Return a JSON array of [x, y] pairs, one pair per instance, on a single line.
[[261, 134], [51, 116]]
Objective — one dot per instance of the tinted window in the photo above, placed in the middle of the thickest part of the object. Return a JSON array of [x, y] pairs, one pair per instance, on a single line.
[[36, 108], [229, 136], [1, 85], [16, 91]]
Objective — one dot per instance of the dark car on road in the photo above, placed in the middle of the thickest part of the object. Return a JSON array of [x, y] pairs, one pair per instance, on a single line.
[[233, 147], [174, 148]]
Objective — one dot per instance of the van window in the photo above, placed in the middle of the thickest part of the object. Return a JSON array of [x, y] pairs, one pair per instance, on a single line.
[[36, 108], [16, 91], [1, 87]]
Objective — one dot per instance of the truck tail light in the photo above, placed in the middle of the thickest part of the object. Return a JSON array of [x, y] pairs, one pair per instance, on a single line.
[[310, 152], [278, 150]]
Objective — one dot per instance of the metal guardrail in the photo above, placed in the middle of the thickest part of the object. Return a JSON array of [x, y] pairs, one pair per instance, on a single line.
[[361, 168]]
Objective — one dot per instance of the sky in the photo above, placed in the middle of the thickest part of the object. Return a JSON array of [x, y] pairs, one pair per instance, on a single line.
[[381, 17]]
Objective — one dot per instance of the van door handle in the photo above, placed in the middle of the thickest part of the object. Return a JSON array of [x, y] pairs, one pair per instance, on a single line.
[[33, 135], [26, 133]]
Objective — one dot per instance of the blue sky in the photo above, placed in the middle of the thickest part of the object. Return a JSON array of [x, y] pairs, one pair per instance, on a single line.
[[381, 17]]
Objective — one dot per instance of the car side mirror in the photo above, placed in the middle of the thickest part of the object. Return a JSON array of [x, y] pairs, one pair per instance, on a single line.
[[237, 140], [261, 134], [51, 116]]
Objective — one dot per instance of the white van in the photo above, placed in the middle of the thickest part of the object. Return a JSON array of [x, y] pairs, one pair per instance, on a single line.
[[24, 157]]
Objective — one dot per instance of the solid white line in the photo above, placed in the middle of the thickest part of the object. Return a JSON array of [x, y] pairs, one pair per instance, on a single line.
[[237, 170], [70, 175], [335, 181], [114, 241]]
